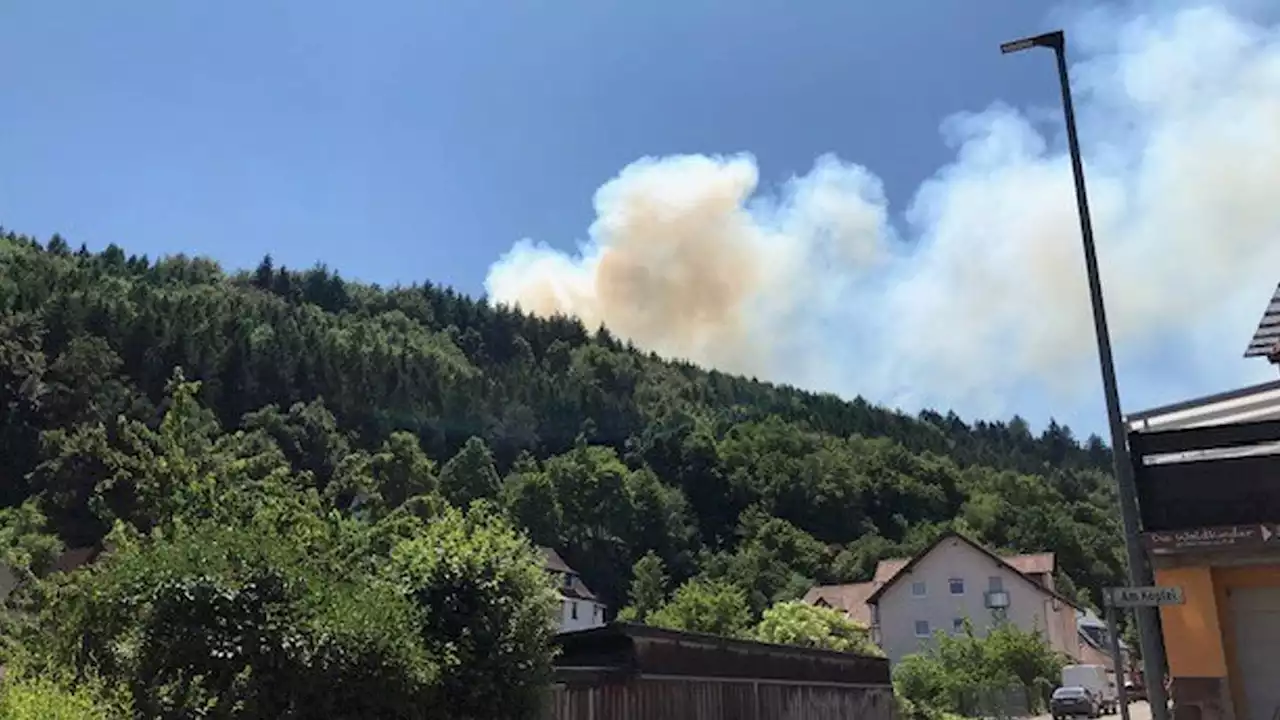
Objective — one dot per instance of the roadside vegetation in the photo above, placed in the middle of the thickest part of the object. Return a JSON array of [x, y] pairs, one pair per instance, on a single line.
[[1002, 672]]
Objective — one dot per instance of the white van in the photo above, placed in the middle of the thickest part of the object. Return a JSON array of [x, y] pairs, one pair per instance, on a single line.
[[1098, 681]]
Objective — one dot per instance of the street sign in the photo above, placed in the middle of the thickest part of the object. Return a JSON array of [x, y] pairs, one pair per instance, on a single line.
[[1228, 537], [1144, 596]]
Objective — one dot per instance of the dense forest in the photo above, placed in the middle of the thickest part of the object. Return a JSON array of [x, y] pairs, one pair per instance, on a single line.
[[589, 444], [285, 471]]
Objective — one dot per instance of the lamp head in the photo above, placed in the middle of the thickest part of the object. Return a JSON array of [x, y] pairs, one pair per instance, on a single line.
[[1052, 40]]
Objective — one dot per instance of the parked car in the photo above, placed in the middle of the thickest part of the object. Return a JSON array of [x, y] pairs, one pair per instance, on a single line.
[[1074, 701], [1136, 691]]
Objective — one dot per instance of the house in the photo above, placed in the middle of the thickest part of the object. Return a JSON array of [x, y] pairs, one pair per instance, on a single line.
[[851, 599], [953, 580], [1095, 643], [579, 607], [1207, 476]]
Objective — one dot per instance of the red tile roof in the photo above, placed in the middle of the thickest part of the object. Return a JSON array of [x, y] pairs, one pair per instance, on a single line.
[[851, 598], [886, 569], [1033, 564], [1030, 564]]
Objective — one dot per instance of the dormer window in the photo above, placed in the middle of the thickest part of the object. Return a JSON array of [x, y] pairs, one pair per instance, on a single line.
[[568, 580]]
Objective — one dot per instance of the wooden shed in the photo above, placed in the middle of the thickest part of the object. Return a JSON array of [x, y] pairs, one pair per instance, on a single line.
[[634, 672]]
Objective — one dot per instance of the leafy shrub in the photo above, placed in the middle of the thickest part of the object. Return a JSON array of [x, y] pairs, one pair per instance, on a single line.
[[708, 606], [487, 609], [798, 623], [966, 673], [27, 696], [240, 623]]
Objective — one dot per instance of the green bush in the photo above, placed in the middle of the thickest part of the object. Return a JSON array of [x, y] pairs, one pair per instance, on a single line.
[[706, 606], [240, 623], [798, 623], [487, 611], [26, 696], [233, 592], [967, 674]]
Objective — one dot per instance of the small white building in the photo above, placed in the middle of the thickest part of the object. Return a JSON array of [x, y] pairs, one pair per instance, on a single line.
[[579, 607]]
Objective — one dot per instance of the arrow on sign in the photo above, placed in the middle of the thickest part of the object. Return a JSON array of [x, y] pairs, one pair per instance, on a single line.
[[1266, 533]]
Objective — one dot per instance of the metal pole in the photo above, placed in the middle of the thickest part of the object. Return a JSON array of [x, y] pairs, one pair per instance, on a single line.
[[1139, 572], [1117, 660]]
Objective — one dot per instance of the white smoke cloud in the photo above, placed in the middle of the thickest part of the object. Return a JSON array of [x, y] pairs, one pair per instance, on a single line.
[[975, 295]]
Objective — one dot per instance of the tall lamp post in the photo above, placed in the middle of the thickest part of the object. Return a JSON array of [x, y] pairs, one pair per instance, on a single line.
[[1139, 572]]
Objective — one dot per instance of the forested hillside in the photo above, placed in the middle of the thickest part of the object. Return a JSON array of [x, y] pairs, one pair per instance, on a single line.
[[377, 395]]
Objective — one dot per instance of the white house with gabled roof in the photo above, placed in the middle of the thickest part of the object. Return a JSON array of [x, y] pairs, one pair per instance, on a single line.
[[579, 607], [953, 580]]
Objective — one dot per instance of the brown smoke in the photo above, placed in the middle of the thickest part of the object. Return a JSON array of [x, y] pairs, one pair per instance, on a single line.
[[983, 292]]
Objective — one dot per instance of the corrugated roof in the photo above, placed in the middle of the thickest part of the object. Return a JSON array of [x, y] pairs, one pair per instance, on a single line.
[[1266, 340], [1249, 404], [620, 650]]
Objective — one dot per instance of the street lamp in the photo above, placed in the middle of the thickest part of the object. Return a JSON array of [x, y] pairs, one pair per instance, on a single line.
[[1139, 573]]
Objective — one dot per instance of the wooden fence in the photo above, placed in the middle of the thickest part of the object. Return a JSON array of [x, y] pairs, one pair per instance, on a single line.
[[629, 672], [718, 699]]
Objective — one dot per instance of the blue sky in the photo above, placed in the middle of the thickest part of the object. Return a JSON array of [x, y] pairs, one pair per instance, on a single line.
[[401, 141]]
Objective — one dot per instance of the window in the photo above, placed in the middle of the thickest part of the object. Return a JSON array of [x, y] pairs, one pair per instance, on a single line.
[[918, 589], [568, 580], [1069, 692], [957, 625], [922, 628], [573, 610], [995, 584], [957, 586]]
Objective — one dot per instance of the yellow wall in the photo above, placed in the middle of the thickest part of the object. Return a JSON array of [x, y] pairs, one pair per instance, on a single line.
[[1229, 579], [1199, 635], [1192, 634]]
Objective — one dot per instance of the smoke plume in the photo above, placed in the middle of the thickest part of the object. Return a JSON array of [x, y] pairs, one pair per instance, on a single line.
[[975, 293]]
